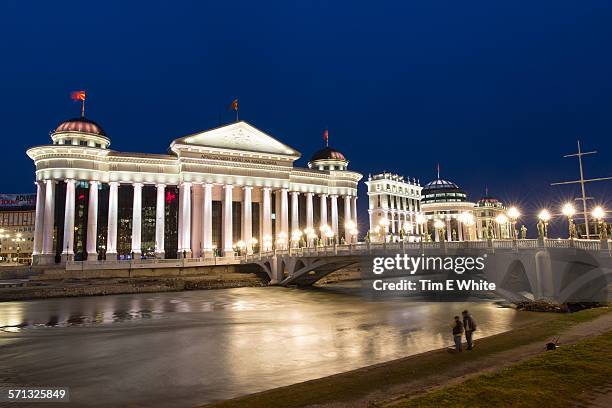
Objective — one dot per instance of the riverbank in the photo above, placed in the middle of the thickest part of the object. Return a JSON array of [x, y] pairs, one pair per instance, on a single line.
[[396, 381], [25, 289]]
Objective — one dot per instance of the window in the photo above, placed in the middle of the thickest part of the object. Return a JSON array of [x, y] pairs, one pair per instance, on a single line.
[[82, 143]]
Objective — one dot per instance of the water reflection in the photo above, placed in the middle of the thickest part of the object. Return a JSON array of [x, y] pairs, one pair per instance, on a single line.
[[194, 347]]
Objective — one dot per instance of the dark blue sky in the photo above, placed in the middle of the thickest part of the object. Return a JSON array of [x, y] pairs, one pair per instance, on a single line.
[[494, 91]]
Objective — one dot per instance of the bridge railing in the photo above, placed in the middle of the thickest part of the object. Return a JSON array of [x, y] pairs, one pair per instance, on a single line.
[[377, 247]]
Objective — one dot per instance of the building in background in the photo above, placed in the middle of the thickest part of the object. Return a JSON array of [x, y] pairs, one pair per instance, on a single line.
[[221, 191], [17, 215], [491, 219], [394, 206], [447, 211]]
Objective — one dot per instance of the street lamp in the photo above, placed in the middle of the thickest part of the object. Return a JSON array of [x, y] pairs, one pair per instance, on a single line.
[[598, 213], [350, 226], [439, 226], [569, 211], [281, 240], [514, 214], [267, 243], [544, 217], [421, 220], [384, 224], [325, 233], [295, 238], [501, 219]]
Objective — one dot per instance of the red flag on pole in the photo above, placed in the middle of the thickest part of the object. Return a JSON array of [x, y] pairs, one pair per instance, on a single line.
[[79, 96], [326, 137], [235, 105]]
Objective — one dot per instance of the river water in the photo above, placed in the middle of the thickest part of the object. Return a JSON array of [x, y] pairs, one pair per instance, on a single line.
[[189, 348]]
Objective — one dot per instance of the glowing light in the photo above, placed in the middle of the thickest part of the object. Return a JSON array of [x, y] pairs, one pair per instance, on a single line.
[[544, 215], [568, 210], [513, 213], [598, 213], [501, 219], [438, 224]]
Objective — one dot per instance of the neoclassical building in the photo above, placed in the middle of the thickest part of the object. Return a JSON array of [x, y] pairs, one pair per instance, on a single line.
[[225, 188], [444, 203], [394, 200]]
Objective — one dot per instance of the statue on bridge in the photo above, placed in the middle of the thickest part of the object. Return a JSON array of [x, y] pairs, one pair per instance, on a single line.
[[541, 230], [603, 230], [523, 232], [454, 235], [573, 232]]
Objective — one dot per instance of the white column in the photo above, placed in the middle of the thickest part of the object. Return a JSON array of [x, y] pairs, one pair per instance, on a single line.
[[137, 219], [92, 222], [460, 229], [284, 224], [448, 230], [323, 209], [207, 221], [309, 211], [38, 221], [49, 217], [160, 221], [347, 218], [295, 214], [267, 220], [113, 206], [227, 221], [354, 209], [68, 246], [247, 221], [184, 232], [392, 222], [334, 214]]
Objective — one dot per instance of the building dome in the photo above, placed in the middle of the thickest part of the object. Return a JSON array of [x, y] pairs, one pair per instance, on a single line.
[[328, 159], [80, 125], [440, 184], [328, 154], [441, 191]]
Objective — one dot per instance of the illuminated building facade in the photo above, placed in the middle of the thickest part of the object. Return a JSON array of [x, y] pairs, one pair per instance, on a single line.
[[215, 192], [17, 213], [448, 211], [396, 201]]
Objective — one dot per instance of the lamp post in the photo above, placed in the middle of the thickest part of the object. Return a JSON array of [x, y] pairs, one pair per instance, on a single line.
[[421, 220], [384, 224], [514, 214], [325, 234], [281, 240], [295, 238], [350, 226], [598, 213], [267, 243], [501, 219], [439, 226], [568, 210], [544, 217]]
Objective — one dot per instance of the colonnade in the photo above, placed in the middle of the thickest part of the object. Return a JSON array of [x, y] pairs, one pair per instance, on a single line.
[[287, 216]]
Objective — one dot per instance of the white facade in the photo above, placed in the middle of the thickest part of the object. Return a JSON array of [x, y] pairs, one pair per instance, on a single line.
[[396, 201], [236, 163]]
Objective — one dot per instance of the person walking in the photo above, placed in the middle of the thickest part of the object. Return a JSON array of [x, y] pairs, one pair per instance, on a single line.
[[469, 325], [457, 333]]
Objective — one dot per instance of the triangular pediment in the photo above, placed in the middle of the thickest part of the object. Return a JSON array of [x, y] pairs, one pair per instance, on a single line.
[[237, 136]]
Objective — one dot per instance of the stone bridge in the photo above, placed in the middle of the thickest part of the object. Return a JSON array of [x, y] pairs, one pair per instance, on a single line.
[[560, 270]]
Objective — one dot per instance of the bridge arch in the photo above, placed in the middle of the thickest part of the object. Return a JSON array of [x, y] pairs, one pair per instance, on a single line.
[[516, 280]]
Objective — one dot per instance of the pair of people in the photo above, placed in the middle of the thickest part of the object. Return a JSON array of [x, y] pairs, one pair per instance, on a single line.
[[467, 326]]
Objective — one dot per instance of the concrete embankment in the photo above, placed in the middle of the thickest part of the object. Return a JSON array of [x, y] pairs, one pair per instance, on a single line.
[[98, 287], [51, 282]]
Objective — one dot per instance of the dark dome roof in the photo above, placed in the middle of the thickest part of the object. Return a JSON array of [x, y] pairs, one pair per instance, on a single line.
[[440, 184], [327, 154], [82, 125]]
